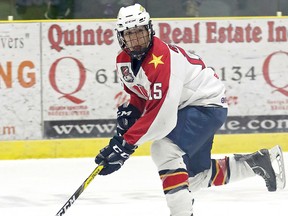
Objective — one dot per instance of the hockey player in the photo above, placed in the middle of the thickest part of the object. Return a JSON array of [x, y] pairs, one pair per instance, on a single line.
[[179, 103]]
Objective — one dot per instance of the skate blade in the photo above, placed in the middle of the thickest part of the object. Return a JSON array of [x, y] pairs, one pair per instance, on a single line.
[[276, 157]]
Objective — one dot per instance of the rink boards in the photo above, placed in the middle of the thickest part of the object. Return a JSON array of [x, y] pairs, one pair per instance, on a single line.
[[56, 89], [73, 148]]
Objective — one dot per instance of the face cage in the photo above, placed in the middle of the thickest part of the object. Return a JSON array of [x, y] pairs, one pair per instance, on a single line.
[[136, 54]]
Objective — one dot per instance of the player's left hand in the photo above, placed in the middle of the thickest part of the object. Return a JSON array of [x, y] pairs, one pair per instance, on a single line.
[[127, 115], [114, 155]]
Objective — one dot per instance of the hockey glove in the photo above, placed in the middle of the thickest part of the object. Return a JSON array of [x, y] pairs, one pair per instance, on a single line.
[[114, 155], [127, 115]]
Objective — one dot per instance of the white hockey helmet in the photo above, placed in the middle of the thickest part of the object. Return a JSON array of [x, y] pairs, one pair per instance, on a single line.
[[132, 17]]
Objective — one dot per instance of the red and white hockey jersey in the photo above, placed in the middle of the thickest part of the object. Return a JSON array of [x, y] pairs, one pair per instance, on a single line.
[[168, 79]]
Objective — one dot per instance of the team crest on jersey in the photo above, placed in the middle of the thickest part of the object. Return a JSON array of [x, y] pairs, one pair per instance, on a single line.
[[127, 76]]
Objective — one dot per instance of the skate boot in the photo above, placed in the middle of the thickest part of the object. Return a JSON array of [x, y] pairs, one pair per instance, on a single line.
[[261, 163]]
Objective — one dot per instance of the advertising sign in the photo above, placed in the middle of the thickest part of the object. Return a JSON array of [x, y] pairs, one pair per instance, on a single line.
[[248, 55], [20, 78], [81, 84], [62, 76]]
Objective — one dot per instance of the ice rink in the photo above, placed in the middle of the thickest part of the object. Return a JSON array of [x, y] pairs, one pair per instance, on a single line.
[[41, 187]]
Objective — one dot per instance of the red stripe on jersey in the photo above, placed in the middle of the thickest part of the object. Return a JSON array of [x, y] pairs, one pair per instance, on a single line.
[[194, 61], [160, 74], [139, 103]]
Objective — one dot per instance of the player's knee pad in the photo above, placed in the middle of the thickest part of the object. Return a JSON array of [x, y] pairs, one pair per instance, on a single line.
[[174, 180], [172, 170], [220, 172], [163, 152]]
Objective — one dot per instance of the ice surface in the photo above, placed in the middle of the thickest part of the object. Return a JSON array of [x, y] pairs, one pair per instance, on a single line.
[[41, 187]]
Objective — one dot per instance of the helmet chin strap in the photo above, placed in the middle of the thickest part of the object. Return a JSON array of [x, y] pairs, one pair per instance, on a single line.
[[139, 54]]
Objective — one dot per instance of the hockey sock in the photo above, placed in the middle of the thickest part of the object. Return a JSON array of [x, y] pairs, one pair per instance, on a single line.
[[220, 172]]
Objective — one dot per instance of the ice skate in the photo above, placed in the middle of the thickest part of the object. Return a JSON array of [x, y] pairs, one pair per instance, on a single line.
[[277, 160], [268, 164]]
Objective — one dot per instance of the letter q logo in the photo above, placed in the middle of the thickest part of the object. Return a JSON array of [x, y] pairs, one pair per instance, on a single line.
[[274, 71], [56, 72]]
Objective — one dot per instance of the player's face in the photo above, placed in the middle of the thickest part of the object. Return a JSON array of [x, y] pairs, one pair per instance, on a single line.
[[136, 38]]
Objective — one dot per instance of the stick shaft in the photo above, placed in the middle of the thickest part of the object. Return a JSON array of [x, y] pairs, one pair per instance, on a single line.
[[77, 193]]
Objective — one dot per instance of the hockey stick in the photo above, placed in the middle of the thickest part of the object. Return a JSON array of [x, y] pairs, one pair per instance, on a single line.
[[77, 193]]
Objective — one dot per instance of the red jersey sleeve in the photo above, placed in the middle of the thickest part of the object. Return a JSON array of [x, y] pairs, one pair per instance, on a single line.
[[160, 114]]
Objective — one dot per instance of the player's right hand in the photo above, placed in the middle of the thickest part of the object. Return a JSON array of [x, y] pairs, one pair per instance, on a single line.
[[114, 155]]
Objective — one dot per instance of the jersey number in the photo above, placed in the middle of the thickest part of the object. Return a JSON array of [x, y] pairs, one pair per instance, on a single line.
[[156, 92], [191, 58]]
